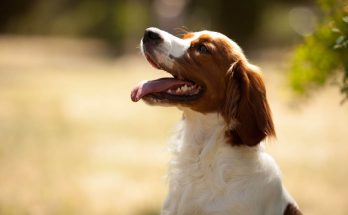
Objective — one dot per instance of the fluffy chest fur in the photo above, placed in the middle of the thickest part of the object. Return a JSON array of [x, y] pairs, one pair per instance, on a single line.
[[208, 176]]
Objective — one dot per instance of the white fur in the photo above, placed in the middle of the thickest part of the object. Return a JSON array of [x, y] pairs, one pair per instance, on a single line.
[[170, 47], [209, 176]]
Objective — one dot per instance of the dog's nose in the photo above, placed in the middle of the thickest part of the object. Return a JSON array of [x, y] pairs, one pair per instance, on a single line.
[[150, 35]]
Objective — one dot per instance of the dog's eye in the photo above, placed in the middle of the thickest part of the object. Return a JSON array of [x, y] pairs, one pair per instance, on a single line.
[[202, 49]]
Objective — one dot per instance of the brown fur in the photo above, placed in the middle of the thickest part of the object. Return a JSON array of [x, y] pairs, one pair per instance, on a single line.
[[292, 210], [207, 70], [188, 35], [237, 91], [246, 103]]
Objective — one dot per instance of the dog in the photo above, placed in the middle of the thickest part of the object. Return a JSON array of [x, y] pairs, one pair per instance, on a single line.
[[219, 165]]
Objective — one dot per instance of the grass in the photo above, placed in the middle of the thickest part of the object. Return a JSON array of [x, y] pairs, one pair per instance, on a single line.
[[72, 142]]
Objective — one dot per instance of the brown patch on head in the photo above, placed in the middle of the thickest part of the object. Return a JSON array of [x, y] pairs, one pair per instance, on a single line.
[[206, 67], [292, 210], [188, 35], [237, 91], [203, 38], [246, 108]]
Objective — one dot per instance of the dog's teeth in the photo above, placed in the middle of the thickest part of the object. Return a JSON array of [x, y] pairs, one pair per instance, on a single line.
[[154, 100], [184, 88]]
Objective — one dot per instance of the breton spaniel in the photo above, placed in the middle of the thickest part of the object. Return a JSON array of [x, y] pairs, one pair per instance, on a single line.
[[219, 165]]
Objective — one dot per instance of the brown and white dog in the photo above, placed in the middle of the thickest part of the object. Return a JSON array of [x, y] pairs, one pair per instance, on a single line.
[[219, 165]]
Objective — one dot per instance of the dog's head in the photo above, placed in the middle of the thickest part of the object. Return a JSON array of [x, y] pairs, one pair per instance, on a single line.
[[210, 74]]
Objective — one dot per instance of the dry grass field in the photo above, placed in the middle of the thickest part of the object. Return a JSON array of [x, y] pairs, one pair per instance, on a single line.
[[72, 142]]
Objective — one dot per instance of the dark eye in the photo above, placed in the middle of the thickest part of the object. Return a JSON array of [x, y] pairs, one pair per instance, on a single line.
[[202, 49]]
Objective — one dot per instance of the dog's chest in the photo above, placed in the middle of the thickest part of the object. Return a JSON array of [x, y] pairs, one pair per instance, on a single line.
[[201, 169], [208, 176]]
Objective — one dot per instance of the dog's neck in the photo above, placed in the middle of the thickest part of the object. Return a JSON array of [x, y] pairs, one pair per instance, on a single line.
[[203, 126], [202, 135], [201, 151]]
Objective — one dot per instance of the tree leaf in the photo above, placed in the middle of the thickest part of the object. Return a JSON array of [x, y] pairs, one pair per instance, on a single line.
[[345, 43], [339, 40], [345, 19], [336, 30], [337, 46]]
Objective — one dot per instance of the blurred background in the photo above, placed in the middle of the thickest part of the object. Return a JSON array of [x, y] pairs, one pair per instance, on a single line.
[[72, 142]]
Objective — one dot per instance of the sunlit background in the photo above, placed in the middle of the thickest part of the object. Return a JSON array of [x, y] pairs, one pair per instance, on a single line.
[[72, 142]]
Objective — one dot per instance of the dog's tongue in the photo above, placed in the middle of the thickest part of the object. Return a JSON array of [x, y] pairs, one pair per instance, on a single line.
[[146, 87]]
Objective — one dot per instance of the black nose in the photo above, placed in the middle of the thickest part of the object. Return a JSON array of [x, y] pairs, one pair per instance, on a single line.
[[150, 35]]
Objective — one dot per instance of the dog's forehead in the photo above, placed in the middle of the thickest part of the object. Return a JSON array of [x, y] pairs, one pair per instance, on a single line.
[[211, 34], [194, 36]]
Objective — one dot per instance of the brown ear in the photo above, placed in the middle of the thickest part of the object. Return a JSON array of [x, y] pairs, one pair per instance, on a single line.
[[246, 109]]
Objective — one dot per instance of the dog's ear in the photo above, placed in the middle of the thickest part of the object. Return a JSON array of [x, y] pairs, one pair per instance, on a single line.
[[246, 109]]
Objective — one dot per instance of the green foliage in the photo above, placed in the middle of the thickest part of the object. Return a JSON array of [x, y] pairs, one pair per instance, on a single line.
[[324, 53]]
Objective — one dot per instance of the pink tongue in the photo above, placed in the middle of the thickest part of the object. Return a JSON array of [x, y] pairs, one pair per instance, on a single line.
[[154, 86]]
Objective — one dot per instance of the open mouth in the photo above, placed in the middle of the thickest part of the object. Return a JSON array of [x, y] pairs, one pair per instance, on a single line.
[[166, 89]]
